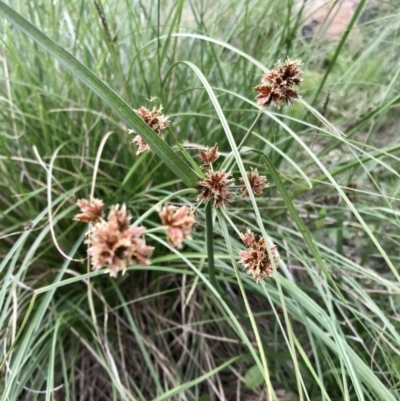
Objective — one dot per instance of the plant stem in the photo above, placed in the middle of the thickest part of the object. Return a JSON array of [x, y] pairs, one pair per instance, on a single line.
[[210, 245], [264, 364], [230, 160], [187, 156], [158, 45], [339, 232]]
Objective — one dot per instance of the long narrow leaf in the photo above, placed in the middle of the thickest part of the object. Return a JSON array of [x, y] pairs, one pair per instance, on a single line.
[[179, 389], [299, 223]]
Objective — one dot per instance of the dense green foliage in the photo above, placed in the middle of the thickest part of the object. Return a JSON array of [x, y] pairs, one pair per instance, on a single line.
[[325, 327]]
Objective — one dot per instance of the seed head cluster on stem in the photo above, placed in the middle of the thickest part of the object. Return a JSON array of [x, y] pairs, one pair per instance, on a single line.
[[216, 187], [255, 259], [92, 212], [277, 85], [209, 156], [257, 183], [155, 120], [115, 245], [179, 223]]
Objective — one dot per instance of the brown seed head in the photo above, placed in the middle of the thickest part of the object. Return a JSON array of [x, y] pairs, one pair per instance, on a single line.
[[179, 223], [115, 245], [209, 156], [91, 212], [278, 84], [215, 187], [119, 217], [155, 120], [248, 238], [141, 144], [257, 183], [255, 259]]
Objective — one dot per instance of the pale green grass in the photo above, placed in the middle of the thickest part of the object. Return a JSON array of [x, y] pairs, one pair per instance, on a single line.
[[324, 328]]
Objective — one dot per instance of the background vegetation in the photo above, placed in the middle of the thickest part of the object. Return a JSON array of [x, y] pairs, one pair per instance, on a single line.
[[328, 325]]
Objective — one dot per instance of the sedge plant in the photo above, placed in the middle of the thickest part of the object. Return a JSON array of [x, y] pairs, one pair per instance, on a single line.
[[190, 213]]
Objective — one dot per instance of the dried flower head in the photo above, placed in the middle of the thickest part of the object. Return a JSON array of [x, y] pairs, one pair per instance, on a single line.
[[142, 145], [278, 84], [119, 217], [257, 183], [209, 156], [115, 245], [92, 212], [255, 259], [179, 223], [155, 120], [215, 187]]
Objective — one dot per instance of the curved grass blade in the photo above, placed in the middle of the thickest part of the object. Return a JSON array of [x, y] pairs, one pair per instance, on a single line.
[[342, 194], [179, 389], [234, 321], [299, 223], [243, 172], [268, 383], [219, 43]]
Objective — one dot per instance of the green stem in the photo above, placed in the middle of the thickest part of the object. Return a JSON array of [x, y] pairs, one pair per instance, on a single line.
[[158, 44], [230, 160], [264, 367], [339, 232], [338, 51], [210, 245], [185, 153]]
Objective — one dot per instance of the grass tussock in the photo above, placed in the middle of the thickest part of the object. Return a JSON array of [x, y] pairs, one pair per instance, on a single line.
[[250, 229]]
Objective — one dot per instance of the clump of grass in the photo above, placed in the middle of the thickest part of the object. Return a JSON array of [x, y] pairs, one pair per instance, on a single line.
[[192, 324]]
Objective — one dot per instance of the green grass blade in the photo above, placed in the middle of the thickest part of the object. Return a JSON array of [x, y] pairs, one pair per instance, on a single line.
[[339, 48], [299, 223], [168, 394], [268, 383]]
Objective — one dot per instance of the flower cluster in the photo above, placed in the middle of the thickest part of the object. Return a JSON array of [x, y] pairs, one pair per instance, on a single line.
[[92, 212], [178, 222], [209, 156], [256, 259], [278, 84], [216, 188], [155, 120], [257, 183], [114, 244]]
